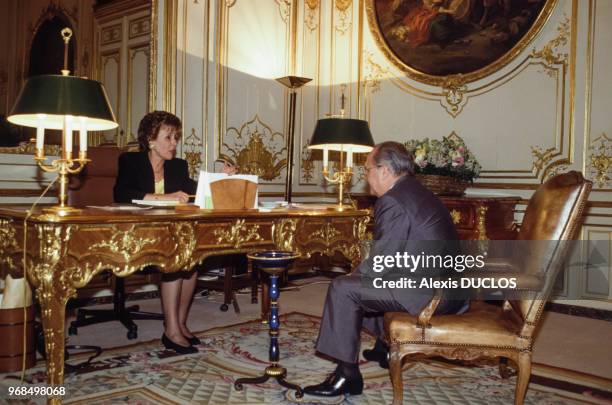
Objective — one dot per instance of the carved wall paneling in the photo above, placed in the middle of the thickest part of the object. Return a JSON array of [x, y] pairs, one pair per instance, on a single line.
[[138, 85], [110, 75], [597, 156], [122, 54]]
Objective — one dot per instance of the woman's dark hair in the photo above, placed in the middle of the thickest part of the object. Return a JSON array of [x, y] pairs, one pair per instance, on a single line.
[[395, 156], [149, 126]]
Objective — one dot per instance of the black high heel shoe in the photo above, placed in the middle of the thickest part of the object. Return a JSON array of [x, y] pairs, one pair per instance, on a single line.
[[194, 341], [170, 345]]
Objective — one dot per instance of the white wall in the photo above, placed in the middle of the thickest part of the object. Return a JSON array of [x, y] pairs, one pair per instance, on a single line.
[[536, 116]]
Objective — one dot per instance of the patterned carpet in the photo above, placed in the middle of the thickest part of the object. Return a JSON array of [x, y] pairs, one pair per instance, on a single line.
[[147, 374]]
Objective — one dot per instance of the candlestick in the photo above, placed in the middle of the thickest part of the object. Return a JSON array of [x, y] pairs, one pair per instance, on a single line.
[[83, 135]]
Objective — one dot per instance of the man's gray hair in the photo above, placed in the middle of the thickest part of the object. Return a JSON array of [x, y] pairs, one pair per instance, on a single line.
[[395, 156]]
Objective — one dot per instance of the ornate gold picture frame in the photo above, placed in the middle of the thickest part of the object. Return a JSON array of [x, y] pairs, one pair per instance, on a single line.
[[434, 40]]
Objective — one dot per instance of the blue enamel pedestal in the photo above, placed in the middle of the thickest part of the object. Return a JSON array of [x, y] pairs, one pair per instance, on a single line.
[[274, 263]]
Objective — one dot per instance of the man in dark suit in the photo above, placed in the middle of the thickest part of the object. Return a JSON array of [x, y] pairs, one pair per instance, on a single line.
[[405, 212]]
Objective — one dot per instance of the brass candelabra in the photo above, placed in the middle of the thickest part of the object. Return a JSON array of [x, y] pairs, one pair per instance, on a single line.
[[63, 167], [66, 103], [342, 177]]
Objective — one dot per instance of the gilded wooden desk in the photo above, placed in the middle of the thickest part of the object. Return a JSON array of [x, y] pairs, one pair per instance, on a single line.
[[64, 253]]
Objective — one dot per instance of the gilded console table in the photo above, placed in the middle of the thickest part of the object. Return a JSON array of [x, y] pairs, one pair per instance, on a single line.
[[64, 253]]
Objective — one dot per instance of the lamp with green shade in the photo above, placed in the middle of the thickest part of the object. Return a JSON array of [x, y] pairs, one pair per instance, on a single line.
[[67, 103], [343, 135]]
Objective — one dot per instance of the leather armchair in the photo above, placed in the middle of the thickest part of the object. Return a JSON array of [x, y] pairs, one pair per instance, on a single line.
[[553, 214]]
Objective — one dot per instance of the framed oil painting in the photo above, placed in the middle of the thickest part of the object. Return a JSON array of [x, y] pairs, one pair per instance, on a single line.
[[434, 39]]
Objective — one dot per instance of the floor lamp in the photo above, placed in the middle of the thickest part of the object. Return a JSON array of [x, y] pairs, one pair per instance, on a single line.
[[293, 83]]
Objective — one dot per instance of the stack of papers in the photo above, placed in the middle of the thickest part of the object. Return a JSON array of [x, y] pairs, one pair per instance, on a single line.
[[118, 207], [157, 203]]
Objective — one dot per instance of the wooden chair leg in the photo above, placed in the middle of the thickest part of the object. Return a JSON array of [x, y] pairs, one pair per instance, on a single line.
[[395, 372], [522, 380]]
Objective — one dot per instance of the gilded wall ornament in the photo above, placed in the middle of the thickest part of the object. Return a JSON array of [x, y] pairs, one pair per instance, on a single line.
[[284, 8], [601, 160], [541, 158], [374, 73], [193, 153], [312, 4], [238, 234], [307, 166], [454, 91], [311, 13], [545, 165], [555, 168], [344, 20], [255, 149], [549, 52]]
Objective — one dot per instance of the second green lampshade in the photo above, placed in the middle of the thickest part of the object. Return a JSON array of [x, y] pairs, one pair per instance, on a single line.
[[342, 134], [57, 96]]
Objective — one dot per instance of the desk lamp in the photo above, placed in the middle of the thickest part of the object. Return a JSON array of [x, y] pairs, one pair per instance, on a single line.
[[68, 103], [344, 135]]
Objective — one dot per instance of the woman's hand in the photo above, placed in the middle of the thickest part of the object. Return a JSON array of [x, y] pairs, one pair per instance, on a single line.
[[177, 195]]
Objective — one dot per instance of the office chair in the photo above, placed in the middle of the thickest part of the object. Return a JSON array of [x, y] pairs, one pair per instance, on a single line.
[[94, 186]]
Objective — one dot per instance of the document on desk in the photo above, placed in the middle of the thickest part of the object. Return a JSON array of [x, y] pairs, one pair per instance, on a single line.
[[119, 207], [157, 203]]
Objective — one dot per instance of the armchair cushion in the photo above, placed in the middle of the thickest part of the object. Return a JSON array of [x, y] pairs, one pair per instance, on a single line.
[[483, 325]]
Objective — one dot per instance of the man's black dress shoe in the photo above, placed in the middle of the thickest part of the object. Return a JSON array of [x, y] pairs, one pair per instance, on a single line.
[[169, 344], [194, 341], [379, 355], [336, 384]]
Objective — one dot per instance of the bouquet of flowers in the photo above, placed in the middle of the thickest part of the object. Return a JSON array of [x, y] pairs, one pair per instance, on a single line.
[[447, 157]]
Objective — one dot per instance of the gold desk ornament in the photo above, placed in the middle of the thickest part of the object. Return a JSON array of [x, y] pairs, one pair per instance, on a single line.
[[63, 102]]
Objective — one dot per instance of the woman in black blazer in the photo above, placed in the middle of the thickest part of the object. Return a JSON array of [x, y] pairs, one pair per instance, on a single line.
[[155, 174]]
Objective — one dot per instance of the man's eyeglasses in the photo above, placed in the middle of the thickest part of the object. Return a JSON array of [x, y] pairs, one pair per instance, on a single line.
[[369, 169]]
